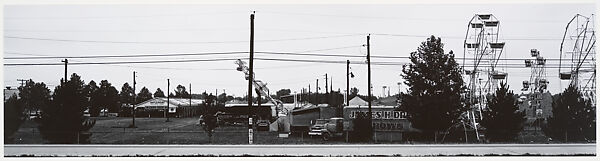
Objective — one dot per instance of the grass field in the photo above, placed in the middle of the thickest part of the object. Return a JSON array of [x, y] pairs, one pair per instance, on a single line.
[[113, 130]]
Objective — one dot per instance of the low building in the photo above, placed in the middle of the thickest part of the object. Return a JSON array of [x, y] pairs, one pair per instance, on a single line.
[[301, 118], [238, 112], [177, 107], [9, 92]]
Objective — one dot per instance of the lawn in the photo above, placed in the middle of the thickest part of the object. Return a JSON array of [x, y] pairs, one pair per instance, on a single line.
[[114, 130]]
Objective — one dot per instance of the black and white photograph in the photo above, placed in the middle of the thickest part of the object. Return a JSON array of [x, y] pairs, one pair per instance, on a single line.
[[391, 79]]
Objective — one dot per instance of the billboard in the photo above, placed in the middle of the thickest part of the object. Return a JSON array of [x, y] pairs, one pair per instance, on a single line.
[[385, 118]]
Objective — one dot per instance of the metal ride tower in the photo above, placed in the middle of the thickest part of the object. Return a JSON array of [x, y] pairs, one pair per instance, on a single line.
[[578, 55], [537, 84], [481, 42]]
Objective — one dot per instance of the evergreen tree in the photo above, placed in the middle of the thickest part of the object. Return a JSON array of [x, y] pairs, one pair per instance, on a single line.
[[108, 96], [503, 120], [91, 92], [63, 121], [13, 118], [144, 95], [159, 93], [573, 117], [180, 92], [126, 95], [433, 101], [34, 96]]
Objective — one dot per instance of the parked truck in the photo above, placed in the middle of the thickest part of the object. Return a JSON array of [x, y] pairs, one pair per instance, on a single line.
[[328, 128]]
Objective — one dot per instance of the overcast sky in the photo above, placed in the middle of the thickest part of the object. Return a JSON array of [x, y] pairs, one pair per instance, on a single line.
[[397, 30]]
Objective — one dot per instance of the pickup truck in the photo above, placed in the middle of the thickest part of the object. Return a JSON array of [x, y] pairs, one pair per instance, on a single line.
[[327, 128]]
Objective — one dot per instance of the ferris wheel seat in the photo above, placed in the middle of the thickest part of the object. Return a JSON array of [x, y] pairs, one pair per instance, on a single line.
[[497, 45], [540, 60], [476, 25], [484, 16], [472, 45], [499, 75], [534, 52], [527, 63], [565, 75], [491, 23]]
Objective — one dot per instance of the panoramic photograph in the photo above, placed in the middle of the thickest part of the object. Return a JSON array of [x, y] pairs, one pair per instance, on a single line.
[[299, 80]]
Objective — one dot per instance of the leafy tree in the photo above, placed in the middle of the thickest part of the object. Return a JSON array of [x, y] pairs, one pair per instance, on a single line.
[[282, 92], [34, 96], [63, 121], [209, 118], [13, 118], [353, 92], [108, 96], [91, 92], [433, 101], [503, 120], [222, 98], [181, 93], [573, 117], [126, 95], [144, 95], [159, 93]]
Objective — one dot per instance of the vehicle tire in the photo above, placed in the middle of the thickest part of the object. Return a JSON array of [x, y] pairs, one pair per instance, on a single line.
[[326, 136]]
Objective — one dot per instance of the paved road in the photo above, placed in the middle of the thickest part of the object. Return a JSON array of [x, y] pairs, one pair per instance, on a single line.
[[299, 150]]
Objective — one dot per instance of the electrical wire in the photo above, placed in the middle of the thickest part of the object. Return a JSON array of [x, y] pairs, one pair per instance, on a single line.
[[124, 56], [173, 42]]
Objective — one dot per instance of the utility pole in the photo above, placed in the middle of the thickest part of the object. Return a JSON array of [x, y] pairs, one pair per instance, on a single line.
[[370, 116], [326, 90], [23, 81], [168, 101], [134, 101], [66, 62], [190, 95], [250, 79], [308, 93], [326, 84], [347, 82], [317, 93]]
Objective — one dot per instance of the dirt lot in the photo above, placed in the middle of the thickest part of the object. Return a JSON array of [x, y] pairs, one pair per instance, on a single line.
[[113, 130]]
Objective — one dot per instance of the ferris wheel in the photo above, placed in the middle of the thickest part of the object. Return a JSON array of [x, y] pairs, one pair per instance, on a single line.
[[578, 55], [481, 54]]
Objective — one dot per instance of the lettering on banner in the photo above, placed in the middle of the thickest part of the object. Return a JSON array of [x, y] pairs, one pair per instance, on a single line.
[[383, 115]]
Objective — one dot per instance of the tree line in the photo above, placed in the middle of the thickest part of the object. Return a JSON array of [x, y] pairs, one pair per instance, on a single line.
[[436, 103], [60, 114]]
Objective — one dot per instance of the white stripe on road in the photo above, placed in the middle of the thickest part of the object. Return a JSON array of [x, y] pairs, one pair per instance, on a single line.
[[300, 150]]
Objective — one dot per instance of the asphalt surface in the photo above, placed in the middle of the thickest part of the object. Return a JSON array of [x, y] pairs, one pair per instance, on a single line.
[[300, 150]]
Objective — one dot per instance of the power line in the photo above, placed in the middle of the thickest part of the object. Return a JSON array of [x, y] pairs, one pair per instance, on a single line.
[[240, 52], [462, 38], [123, 62], [173, 42], [400, 18], [137, 30], [124, 56], [122, 16]]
